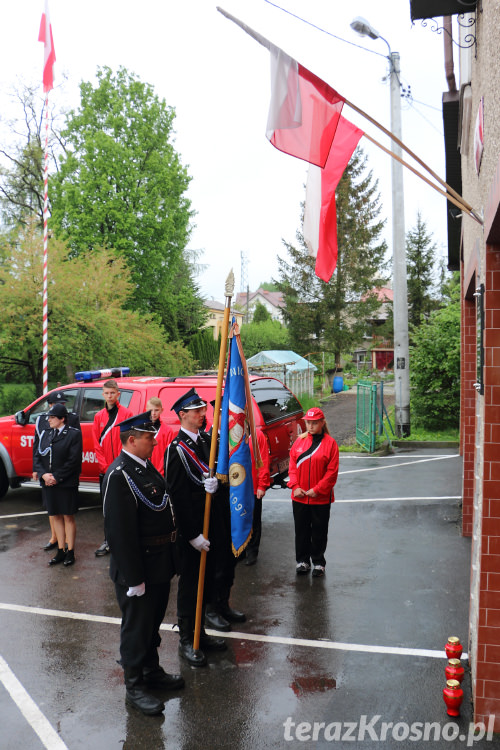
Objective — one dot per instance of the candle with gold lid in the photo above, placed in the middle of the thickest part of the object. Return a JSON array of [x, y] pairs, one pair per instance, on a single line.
[[453, 648], [453, 696], [454, 670]]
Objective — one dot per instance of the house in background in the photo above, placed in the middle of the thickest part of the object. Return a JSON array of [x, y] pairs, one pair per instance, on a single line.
[[215, 316], [377, 352], [272, 301]]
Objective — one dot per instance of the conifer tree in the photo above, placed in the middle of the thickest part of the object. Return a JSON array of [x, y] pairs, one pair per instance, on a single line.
[[336, 316]]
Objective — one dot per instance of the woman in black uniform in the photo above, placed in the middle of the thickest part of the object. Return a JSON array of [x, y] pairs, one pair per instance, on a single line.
[[58, 462]]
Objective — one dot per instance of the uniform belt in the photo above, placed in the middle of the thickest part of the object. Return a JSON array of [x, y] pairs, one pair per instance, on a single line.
[[154, 541]]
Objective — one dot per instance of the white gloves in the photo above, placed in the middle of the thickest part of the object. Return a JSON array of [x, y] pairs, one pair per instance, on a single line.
[[137, 590], [200, 542], [211, 484]]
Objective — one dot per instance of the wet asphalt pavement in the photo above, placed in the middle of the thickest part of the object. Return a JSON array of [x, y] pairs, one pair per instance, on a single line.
[[317, 661]]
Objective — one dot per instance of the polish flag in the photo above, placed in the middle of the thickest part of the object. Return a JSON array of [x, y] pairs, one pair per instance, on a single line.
[[320, 214], [304, 110], [45, 36]]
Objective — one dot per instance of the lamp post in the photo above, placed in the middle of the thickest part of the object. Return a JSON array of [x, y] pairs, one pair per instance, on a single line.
[[400, 301]]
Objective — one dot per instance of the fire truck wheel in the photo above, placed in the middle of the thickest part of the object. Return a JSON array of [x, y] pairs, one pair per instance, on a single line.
[[4, 482]]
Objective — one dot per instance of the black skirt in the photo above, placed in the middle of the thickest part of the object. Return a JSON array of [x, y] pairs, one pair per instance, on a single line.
[[60, 501]]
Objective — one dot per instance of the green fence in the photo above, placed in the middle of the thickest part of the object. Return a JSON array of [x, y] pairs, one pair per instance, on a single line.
[[370, 410]]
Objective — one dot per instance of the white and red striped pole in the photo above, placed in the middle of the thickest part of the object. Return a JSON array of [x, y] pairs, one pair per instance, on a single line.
[[45, 343]]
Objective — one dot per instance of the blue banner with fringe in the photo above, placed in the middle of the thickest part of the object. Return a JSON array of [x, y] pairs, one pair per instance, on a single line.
[[234, 458]]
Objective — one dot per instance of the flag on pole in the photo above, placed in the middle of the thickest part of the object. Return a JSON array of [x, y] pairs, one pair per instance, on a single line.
[[234, 459], [45, 36], [320, 214], [304, 111]]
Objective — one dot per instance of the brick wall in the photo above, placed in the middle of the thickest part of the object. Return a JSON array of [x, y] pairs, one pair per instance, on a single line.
[[487, 667], [467, 410]]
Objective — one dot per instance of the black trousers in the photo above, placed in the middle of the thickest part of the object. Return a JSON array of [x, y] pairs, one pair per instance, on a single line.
[[221, 549], [311, 532], [141, 620], [189, 570], [254, 543]]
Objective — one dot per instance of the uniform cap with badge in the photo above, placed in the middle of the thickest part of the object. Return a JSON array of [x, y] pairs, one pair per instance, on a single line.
[[58, 410], [139, 423], [56, 398], [190, 400]]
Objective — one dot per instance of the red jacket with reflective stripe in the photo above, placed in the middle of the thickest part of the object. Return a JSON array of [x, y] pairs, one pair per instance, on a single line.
[[109, 446], [317, 471], [163, 437]]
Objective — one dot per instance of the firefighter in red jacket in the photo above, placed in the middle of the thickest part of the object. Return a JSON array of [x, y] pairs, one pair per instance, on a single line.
[[106, 434], [313, 470], [261, 482], [164, 434]]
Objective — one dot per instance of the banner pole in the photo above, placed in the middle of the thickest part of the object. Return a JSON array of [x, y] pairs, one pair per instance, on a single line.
[[229, 291]]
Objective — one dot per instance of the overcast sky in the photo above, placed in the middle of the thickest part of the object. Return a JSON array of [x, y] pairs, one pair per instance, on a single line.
[[246, 194]]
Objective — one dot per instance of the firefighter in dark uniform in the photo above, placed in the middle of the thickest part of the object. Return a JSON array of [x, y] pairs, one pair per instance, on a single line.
[[140, 530], [188, 480], [42, 426]]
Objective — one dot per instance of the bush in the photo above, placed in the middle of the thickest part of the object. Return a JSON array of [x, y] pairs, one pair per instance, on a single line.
[[435, 368], [15, 397]]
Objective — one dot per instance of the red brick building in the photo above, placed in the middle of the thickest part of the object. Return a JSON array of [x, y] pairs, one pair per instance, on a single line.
[[471, 115]]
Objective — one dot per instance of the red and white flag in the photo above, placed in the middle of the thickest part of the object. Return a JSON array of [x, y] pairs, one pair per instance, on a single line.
[[45, 36], [320, 214], [304, 110]]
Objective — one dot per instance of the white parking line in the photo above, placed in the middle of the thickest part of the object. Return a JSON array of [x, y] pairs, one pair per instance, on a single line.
[[397, 466], [44, 512], [372, 499], [25, 703], [281, 640]]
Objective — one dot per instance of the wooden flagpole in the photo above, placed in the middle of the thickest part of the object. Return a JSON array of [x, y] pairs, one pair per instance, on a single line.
[[229, 291], [449, 190], [448, 196]]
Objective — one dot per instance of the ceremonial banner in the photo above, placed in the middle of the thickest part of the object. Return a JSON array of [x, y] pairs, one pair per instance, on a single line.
[[234, 458]]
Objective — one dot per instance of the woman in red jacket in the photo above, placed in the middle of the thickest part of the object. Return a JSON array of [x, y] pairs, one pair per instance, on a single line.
[[313, 470]]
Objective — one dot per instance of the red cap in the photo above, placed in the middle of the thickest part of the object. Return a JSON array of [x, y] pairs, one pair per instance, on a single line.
[[314, 414]]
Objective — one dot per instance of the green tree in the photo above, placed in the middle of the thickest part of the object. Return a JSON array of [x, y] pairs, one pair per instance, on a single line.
[[121, 185], [22, 157], [87, 325], [435, 364], [261, 313], [420, 254], [335, 316], [268, 335], [268, 286], [205, 349]]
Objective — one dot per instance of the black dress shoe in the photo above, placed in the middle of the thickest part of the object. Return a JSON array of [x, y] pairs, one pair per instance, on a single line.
[[215, 621], [230, 614], [60, 557], [251, 559], [193, 657], [69, 558], [211, 643], [102, 550], [50, 545], [140, 699], [158, 678]]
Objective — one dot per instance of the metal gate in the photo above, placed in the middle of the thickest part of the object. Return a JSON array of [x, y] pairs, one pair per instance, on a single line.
[[366, 399], [367, 411]]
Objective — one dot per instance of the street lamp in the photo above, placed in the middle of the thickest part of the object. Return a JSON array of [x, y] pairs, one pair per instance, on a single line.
[[400, 302]]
